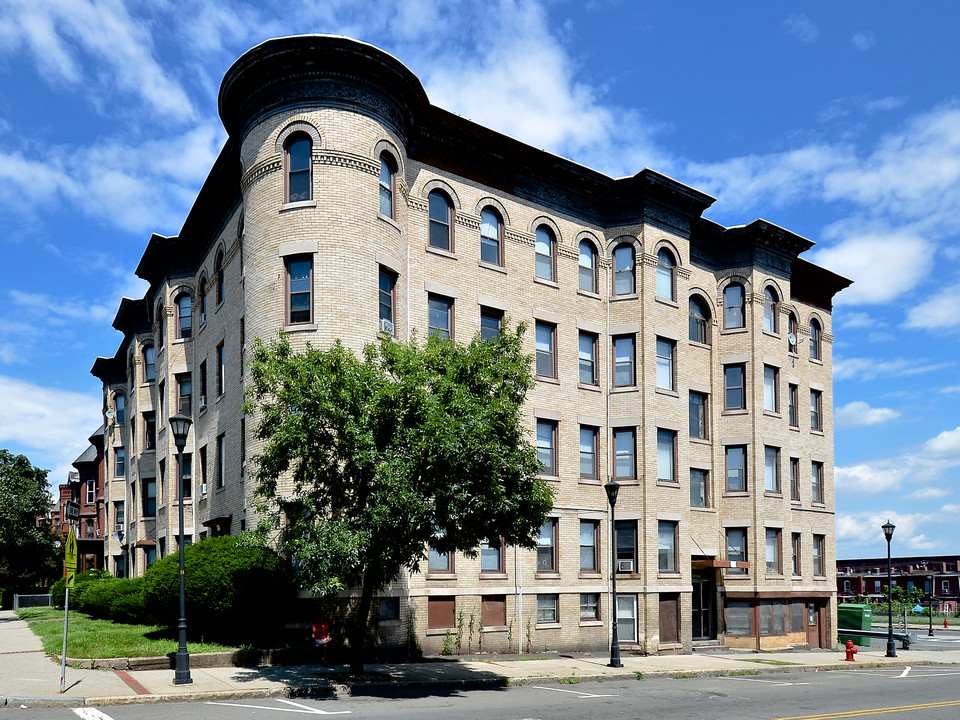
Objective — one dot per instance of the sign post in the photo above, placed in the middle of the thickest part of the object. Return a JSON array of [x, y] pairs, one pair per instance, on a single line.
[[70, 571]]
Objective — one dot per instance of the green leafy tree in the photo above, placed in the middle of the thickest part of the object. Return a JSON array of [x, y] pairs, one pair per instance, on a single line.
[[368, 459], [28, 556]]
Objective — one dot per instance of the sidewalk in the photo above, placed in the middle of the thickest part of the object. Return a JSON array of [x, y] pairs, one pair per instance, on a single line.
[[28, 677]]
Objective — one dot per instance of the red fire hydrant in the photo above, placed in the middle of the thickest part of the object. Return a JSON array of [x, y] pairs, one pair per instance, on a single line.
[[946, 625], [851, 651]]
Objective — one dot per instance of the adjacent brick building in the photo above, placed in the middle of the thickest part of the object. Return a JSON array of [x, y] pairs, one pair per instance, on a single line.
[[689, 361], [937, 576]]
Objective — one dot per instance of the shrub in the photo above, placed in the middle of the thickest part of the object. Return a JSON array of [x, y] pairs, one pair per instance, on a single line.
[[234, 591], [119, 599], [80, 585]]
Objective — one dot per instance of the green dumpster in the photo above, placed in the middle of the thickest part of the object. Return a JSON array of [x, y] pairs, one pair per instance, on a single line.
[[853, 616]]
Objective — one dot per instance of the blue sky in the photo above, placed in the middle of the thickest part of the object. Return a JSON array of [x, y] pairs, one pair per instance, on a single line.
[[839, 121]]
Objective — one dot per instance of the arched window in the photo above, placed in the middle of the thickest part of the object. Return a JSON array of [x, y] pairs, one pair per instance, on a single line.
[[149, 364], [441, 220], [699, 320], [184, 316], [218, 272], [297, 151], [546, 250], [771, 308], [202, 300], [491, 234], [816, 340], [161, 319], [792, 328], [588, 266], [624, 280], [666, 270], [733, 306], [388, 182], [120, 408]]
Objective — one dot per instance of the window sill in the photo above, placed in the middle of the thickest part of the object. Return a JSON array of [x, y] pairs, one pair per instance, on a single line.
[[494, 629], [591, 623], [623, 389], [299, 327], [547, 379], [545, 575], [549, 478], [773, 334], [771, 413], [297, 205], [388, 220], [816, 362], [493, 575], [819, 578], [433, 632], [624, 297], [667, 391], [819, 505], [773, 494], [666, 301], [698, 344], [735, 411], [590, 575], [774, 575], [668, 483], [816, 432], [440, 576], [494, 268], [588, 387], [627, 480], [589, 481], [441, 252], [700, 441], [180, 341], [588, 294], [733, 330], [549, 283], [668, 575], [549, 626], [703, 509], [736, 493], [795, 428]]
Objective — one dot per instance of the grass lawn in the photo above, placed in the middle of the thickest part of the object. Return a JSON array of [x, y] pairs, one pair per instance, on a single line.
[[90, 638]]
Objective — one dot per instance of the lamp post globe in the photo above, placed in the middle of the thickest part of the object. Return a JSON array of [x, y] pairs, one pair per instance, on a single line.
[[180, 428], [888, 528]]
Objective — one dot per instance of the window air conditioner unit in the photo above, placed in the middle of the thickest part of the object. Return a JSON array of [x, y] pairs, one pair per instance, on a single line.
[[118, 527], [203, 318], [203, 488], [625, 566], [203, 401], [386, 326]]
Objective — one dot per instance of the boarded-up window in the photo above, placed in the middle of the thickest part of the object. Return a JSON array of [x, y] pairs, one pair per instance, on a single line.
[[771, 618], [669, 616], [738, 618], [494, 609], [797, 617], [440, 612]]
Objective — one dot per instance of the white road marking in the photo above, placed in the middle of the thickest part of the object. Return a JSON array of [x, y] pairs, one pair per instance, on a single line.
[[906, 671], [300, 708], [582, 695], [772, 682], [91, 714]]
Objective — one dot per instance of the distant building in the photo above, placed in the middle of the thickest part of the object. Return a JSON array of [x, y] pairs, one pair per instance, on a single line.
[[938, 577], [689, 361], [85, 487]]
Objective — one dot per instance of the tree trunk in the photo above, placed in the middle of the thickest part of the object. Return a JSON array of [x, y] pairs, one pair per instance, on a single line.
[[360, 626]]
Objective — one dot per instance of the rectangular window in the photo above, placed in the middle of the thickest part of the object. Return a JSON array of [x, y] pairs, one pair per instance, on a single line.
[[149, 364], [387, 295], [221, 369], [771, 383], [299, 289], [186, 473], [185, 394], [149, 497], [626, 534], [819, 555], [589, 606], [734, 386], [491, 321], [120, 402], [666, 456], [667, 546], [546, 546], [795, 479], [203, 384], [816, 410], [441, 612], [698, 488], [771, 469], [118, 513], [589, 530], [547, 446], [736, 457], [623, 361], [547, 611], [440, 316], [389, 608], [665, 363], [625, 453], [439, 562], [119, 462], [161, 398], [588, 453], [203, 470], [493, 610], [795, 553], [698, 415], [91, 494], [773, 552], [149, 431], [546, 349], [737, 548], [793, 399], [816, 482], [491, 557], [588, 359], [221, 460]]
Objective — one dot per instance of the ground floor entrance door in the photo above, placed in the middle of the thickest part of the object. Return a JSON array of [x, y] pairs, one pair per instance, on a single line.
[[627, 618], [813, 625], [704, 607]]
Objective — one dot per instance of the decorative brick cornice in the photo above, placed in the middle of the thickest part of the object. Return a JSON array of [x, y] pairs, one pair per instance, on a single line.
[[519, 237], [344, 159], [683, 273], [259, 170], [416, 204], [827, 338], [467, 221]]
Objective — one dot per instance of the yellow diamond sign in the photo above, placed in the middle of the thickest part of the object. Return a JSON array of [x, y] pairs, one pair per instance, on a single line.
[[70, 561]]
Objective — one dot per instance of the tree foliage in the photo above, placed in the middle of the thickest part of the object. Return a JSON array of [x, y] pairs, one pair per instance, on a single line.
[[27, 553], [368, 459]]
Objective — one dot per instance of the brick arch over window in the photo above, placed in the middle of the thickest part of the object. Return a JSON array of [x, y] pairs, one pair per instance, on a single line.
[[492, 202], [544, 220], [733, 317], [772, 305], [437, 184], [670, 247], [387, 146], [298, 125]]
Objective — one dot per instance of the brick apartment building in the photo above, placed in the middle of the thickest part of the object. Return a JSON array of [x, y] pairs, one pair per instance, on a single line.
[[689, 361], [938, 577]]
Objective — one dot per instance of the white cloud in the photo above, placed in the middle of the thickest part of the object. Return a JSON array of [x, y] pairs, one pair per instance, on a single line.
[[946, 445], [851, 320], [863, 40], [860, 414], [892, 102], [862, 368], [938, 312], [863, 530], [927, 493], [800, 27], [869, 479], [951, 389]]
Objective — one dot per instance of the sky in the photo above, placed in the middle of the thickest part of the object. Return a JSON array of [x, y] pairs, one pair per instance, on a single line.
[[838, 121]]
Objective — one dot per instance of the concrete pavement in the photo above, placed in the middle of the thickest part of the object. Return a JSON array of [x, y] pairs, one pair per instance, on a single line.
[[29, 677]]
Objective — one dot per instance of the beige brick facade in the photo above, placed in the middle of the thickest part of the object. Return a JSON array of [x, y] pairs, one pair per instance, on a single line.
[[353, 104]]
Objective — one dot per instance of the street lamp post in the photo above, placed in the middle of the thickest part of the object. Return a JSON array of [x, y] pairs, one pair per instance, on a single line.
[[613, 489], [888, 528], [180, 426]]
